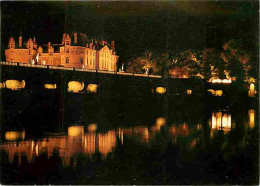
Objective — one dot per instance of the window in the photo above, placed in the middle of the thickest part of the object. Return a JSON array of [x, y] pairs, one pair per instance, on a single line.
[[67, 50], [67, 60], [81, 60]]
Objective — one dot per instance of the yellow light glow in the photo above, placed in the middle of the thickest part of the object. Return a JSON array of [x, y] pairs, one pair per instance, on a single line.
[[14, 135], [212, 91], [158, 124], [189, 91], [218, 93], [92, 127], [252, 87], [252, 80], [76, 131], [50, 86], [216, 81], [221, 121], [15, 84], [251, 93], [2, 85], [75, 86], [160, 90], [225, 81], [92, 88], [251, 118]]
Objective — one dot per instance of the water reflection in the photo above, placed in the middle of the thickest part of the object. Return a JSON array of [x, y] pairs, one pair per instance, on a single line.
[[14, 135], [67, 146], [221, 121], [179, 138]]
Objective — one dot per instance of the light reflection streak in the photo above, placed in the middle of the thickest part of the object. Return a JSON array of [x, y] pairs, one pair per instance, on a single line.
[[76, 141], [220, 121]]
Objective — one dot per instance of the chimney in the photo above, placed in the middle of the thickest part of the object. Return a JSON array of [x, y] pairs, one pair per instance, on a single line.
[[34, 40], [49, 44], [63, 38], [75, 37], [113, 45], [20, 41]]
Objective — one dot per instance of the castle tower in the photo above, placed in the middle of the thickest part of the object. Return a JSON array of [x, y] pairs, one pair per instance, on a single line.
[[75, 37], [34, 43], [20, 41], [11, 43], [113, 45]]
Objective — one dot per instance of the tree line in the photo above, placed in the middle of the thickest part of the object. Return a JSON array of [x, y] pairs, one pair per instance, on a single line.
[[232, 62]]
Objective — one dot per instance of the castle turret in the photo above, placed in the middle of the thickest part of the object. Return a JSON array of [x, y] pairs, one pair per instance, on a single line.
[[113, 45], [20, 41], [11, 43], [40, 50], [34, 43], [50, 48], [75, 37]]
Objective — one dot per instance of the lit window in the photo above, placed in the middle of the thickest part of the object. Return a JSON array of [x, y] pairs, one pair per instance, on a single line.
[[67, 60]]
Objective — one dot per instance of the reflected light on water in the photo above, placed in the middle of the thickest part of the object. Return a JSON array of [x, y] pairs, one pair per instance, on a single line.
[[106, 142], [180, 130], [15, 84], [66, 146], [50, 86], [220, 121], [75, 86], [76, 131], [14, 135], [92, 127], [251, 118]]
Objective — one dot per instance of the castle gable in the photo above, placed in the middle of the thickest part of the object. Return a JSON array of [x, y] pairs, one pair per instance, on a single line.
[[105, 49]]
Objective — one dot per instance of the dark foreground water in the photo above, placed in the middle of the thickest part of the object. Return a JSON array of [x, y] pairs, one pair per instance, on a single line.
[[78, 138]]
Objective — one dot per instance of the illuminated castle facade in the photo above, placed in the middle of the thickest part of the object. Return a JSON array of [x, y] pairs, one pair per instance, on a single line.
[[76, 50]]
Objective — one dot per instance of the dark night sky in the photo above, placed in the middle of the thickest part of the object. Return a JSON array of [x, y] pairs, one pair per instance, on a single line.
[[135, 26]]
